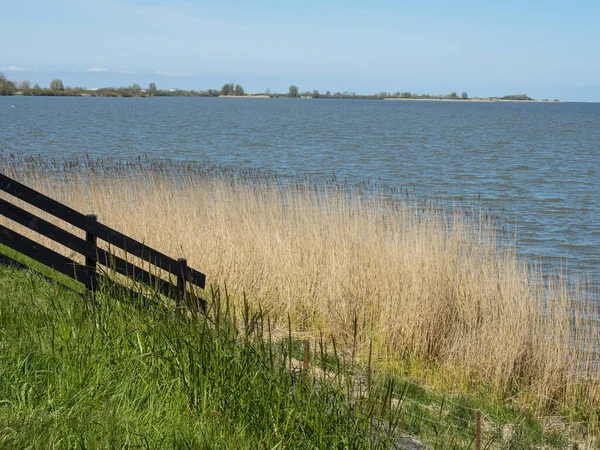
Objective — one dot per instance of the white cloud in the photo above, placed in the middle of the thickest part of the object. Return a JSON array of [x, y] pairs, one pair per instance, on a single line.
[[98, 70], [174, 74], [14, 69]]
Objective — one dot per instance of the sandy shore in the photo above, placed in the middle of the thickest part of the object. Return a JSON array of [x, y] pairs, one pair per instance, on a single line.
[[476, 100], [244, 96]]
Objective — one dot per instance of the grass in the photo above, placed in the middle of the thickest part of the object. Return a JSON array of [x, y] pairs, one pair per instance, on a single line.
[[430, 294], [42, 270], [134, 374]]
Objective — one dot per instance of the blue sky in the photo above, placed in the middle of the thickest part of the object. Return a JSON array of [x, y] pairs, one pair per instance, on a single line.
[[546, 49]]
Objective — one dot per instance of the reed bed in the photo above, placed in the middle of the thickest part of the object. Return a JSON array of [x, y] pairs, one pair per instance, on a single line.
[[403, 282]]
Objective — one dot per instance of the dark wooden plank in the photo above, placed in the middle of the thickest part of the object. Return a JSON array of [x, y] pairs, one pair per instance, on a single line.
[[130, 270], [44, 255], [81, 246], [163, 286], [87, 249], [144, 252], [47, 229], [181, 279], [120, 289], [90, 261], [101, 231]]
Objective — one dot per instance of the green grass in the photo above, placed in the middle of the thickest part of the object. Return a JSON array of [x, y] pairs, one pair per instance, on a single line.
[[448, 421], [136, 374], [42, 269]]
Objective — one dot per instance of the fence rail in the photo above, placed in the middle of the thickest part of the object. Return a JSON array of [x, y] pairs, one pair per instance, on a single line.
[[96, 258]]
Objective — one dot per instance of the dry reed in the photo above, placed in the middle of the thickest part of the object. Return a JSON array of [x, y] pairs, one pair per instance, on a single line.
[[419, 282]]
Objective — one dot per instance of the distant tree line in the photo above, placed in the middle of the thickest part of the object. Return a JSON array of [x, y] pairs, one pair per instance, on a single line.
[[57, 88], [231, 89], [293, 92], [516, 97], [7, 87]]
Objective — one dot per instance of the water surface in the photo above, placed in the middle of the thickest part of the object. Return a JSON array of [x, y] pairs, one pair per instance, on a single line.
[[534, 164]]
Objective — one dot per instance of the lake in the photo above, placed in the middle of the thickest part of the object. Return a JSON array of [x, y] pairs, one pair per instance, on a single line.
[[535, 165]]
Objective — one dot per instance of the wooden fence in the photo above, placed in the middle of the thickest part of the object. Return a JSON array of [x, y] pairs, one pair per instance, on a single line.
[[98, 261]]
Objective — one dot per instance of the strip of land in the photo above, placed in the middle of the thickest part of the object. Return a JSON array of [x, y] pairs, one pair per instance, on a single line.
[[228, 90], [471, 100]]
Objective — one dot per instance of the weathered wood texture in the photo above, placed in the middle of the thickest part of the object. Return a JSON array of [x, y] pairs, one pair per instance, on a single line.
[[98, 261], [101, 231]]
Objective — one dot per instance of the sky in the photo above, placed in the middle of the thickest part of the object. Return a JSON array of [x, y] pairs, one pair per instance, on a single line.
[[546, 49]]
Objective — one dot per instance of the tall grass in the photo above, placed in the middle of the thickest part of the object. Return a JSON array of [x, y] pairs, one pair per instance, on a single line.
[[420, 283], [131, 373]]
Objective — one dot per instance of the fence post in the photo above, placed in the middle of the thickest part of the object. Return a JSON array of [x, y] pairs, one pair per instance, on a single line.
[[181, 279], [478, 431], [306, 361], [91, 262]]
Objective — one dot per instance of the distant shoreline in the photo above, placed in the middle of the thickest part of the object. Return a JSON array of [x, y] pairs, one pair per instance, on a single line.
[[475, 100], [245, 96], [264, 96], [231, 90]]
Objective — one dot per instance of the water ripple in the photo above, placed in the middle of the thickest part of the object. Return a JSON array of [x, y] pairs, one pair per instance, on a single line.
[[534, 165]]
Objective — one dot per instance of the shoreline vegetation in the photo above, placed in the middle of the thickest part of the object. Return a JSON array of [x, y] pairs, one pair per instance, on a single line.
[[130, 372], [221, 377], [404, 285], [229, 90]]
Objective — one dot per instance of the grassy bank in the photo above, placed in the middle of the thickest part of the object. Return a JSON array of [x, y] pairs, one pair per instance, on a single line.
[[127, 373], [427, 293]]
